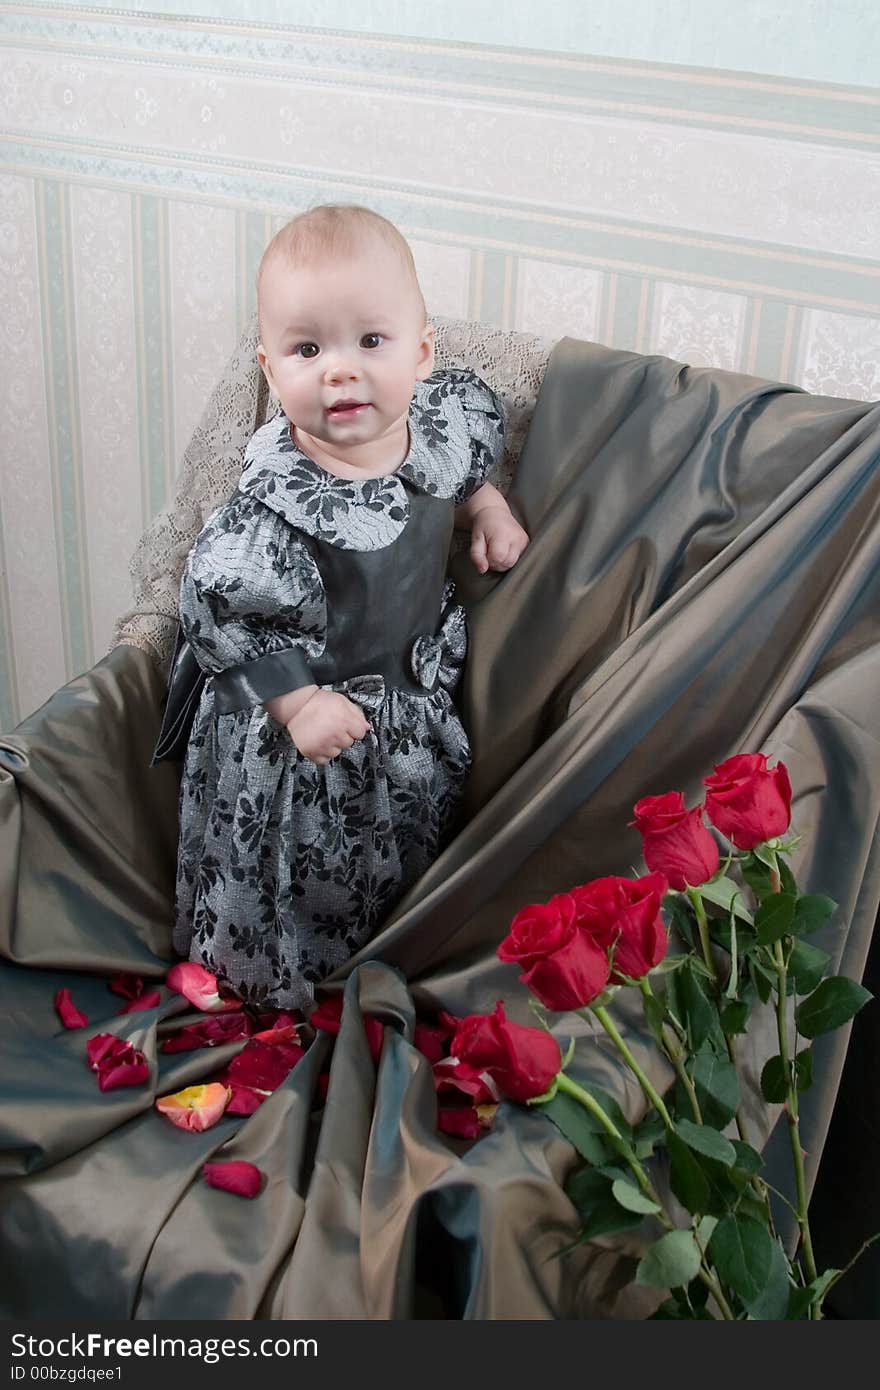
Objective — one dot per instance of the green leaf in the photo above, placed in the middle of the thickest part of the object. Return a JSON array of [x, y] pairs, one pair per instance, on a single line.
[[647, 1134], [632, 1198], [771, 1305], [748, 1160], [698, 1013], [756, 875], [745, 1256], [654, 1015], [601, 1214], [766, 855], [707, 1141], [579, 1127], [672, 1310], [735, 1017], [834, 1002], [774, 918], [786, 877], [705, 1226], [813, 909], [763, 980], [774, 1081], [681, 919], [806, 966], [727, 894], [803, 1069], [686, 1177], [717, 1087], [673, 1259]]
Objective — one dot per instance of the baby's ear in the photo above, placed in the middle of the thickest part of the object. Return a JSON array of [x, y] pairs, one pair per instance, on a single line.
[[263, 359], [425, 358]]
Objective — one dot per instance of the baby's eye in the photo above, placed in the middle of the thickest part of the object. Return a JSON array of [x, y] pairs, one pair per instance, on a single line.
[[371, 340], [307, 350]]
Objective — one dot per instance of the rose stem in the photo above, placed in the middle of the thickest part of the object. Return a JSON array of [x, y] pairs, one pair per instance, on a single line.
[[673, 1051], [656, 1100], [565, 1083], [791, 1107]]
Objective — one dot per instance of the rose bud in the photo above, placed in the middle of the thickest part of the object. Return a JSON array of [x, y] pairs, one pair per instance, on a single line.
[[675, 841], [747, 801]]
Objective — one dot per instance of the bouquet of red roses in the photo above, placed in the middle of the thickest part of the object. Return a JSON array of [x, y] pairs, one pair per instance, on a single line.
[[744, 930]]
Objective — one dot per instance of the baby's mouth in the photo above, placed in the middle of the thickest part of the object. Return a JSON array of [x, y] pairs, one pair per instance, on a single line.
[[347, 407]]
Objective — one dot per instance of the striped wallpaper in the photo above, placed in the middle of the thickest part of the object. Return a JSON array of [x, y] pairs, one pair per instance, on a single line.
[[723, 218]]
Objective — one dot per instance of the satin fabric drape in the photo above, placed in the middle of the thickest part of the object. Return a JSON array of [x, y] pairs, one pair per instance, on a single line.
[[702, 579]]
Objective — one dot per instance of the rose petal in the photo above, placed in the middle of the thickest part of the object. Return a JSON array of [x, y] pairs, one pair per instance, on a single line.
[[328, 1018], [284, 1028], [244, 1179], [145, 1001], [200, 987], [459, 1120], [451, 1074], [195, 1107], [328, 1015], [127, 986], [117, 1062], [124, 1073], [245, 1100], [208, 1032], [431, 1041], [70, 1015], [264, 1065]]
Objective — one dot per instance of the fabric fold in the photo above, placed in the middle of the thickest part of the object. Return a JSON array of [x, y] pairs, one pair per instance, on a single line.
[[703, 579]]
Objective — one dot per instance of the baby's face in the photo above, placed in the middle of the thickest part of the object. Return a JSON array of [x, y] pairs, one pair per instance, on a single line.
[[343, 344]]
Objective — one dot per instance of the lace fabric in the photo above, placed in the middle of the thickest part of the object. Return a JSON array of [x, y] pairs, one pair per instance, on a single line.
[[513, 364]]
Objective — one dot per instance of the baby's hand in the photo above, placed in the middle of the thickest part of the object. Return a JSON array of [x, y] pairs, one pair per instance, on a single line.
[[497, 539], [327, 723]]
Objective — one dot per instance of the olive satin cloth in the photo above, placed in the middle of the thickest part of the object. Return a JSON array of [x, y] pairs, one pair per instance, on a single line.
[[702, 580]]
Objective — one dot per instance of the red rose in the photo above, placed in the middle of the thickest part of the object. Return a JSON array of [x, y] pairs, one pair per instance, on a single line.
[[564, 968], [675, 841], [522, 1061], [625, 913], [747, 801]]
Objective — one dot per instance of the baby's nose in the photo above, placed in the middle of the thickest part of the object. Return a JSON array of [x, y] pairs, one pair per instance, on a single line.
[[340, 367]]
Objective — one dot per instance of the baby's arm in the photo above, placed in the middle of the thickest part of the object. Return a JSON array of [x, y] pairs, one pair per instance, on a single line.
[[497, 539], [320, 722]]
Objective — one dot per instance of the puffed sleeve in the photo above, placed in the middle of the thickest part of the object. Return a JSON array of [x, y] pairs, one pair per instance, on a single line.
[[252, 606], [484, 417]]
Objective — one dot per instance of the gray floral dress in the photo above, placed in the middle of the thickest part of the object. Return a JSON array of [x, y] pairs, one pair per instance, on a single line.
[[286, 868]]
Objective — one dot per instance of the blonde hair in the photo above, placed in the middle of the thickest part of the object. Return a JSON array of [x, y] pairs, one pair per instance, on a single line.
[[336, 229]]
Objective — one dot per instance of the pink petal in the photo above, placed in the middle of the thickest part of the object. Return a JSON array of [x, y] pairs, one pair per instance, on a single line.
[[200, 987], [195, 1107], [70, 1015], [127, 986], [144, 1001], [244, 1179]]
